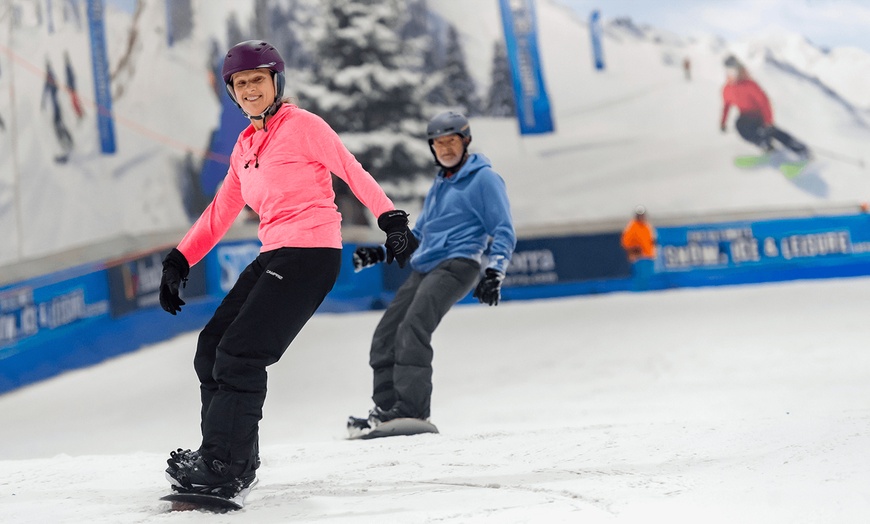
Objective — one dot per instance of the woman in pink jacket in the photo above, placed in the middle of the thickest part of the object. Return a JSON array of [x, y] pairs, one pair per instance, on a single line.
[[280, 167]]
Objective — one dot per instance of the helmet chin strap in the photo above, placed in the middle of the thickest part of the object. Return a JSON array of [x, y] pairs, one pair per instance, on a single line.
[[271, 110]]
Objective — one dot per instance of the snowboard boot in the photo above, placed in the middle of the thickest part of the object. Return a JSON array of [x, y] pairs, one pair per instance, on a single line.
[[182, 458], [210, 476], [377, 416], [185, 458]]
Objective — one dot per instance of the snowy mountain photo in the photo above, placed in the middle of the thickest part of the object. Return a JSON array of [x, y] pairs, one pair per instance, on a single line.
[[636, 133]]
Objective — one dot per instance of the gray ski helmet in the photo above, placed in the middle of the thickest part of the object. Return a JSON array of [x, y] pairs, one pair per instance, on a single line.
[[253, 54], [448, 123]]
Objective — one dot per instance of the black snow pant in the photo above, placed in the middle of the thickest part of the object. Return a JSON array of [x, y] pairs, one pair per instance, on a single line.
[[751, 127], [401, 351], [261, 315]]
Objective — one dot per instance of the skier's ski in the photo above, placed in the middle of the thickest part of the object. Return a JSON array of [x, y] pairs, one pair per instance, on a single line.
[[748, 161], [793, 169]]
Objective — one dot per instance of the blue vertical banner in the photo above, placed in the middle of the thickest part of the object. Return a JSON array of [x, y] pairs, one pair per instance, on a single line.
[[170, 29], [49, 15], [102, 81], [521, 40], [595, 34]]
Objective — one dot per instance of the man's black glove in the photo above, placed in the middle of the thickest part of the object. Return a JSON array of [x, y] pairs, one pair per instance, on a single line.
[[175, 270], [400, 243], [365, 257], [488, 291]]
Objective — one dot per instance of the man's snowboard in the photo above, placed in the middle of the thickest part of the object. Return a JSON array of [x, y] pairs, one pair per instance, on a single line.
[[789, 168], [394, 428], [188, 501]]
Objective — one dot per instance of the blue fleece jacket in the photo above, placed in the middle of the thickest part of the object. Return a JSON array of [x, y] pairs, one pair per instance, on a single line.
[[463, 216]]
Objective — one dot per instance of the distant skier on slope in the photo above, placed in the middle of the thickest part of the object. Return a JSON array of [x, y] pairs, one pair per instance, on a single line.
[[755, 123], [49, 93], [71, 86]]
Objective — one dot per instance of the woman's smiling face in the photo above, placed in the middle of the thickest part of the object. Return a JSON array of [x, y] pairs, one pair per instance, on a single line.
[[254, 90]]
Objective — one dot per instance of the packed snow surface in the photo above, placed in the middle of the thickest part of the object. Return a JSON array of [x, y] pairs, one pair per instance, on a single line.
[[742, 404]]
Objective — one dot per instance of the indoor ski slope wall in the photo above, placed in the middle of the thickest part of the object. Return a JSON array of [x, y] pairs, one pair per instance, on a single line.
[[84, 315]]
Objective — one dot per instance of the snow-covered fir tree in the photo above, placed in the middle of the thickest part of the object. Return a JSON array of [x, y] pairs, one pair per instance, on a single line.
[[235, 33], [366, 87], [500, 101], [448, 84], [280, 22], [180, 20], [460, 89]]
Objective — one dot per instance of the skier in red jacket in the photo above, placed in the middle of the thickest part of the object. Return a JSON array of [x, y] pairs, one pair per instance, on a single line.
[[755, 123]]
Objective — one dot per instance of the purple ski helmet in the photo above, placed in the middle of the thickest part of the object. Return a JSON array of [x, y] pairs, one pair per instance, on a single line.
[[254, 54]]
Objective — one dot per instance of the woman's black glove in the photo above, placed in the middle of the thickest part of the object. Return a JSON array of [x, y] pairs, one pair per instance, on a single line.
[[400, 243], [175, 270], [488, 291]]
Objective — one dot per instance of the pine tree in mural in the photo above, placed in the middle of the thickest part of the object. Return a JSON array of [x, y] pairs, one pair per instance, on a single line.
[[235, 33], [180, 20], [366, 88], [279, 23], [500, 100], [458, 82]]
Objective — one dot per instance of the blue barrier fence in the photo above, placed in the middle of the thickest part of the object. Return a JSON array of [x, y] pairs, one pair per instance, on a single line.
[[84, 315]]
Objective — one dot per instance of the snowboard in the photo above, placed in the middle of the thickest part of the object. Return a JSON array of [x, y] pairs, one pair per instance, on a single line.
[[789, 168], [394, 428], [188, 501]]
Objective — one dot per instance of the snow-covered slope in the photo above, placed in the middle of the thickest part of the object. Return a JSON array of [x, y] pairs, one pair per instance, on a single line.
[[751, 409]]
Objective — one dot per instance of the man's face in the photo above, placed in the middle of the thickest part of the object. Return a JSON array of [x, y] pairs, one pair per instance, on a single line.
[[448, 150], [254, 89]]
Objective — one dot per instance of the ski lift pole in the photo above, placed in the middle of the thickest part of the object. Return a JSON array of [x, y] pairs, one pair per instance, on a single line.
[[838, 156]]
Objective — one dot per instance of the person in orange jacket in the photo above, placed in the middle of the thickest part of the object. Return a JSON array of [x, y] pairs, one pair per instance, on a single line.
[[755, 123], [639, 242], [639, 237]]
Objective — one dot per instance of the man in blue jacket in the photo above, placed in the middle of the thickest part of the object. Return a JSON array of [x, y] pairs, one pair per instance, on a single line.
[[466, 214]]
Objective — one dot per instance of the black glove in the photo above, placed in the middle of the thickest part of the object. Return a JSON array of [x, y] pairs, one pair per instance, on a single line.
[[175, 270], [400, 243], [488, 291], [365, 257]]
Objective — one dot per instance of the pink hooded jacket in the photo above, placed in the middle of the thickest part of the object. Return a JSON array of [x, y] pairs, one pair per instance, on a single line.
[[284, 175]]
